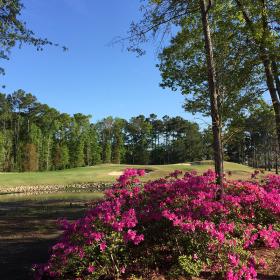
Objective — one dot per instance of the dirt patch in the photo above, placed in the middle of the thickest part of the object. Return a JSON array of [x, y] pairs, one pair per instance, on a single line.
[[272, 258]]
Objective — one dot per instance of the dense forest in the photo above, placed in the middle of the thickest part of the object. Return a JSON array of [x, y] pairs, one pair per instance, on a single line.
[[35, 137]]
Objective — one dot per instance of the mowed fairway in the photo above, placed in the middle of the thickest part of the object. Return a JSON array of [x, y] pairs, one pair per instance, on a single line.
[[108, 173]]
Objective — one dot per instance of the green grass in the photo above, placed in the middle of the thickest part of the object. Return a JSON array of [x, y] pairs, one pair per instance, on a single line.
[[100, 173]]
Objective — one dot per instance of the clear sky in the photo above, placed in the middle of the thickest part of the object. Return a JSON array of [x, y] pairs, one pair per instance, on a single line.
[[92, 77]]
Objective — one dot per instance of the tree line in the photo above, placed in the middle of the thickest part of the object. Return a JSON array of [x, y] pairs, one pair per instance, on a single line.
[[34, 136]]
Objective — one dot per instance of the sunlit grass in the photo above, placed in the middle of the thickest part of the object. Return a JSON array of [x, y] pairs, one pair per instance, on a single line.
[[101, 173]]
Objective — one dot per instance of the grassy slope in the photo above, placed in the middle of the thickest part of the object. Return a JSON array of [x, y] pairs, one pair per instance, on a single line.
[[100, 173]]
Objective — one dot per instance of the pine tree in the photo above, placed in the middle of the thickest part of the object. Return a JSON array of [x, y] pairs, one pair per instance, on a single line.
[[2, 151], [107, 152], [30, 158], [95, 149], [118, 142], [64, 156]]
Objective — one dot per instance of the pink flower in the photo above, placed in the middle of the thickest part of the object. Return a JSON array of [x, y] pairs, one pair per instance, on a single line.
[[263, 263], [122, 270], [102, 246], [81, 254], [141, 172], [231, 275], [90, 268], [131, 235], [233, 260]]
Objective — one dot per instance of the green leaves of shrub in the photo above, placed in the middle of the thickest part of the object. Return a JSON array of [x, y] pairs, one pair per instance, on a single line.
[[190, 266]]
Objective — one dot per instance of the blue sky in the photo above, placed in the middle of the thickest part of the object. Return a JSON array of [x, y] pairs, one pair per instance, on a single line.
[[92, 77]]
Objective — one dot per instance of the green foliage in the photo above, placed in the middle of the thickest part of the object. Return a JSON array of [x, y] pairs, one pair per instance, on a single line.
[[191, 266], [107, 152], [61, 159], [2, 150], [139, 131], [118, 141], [183, 65], [30, 157], [92, 149], [65, 160], [105, 131], [252, 138], [78, 153]]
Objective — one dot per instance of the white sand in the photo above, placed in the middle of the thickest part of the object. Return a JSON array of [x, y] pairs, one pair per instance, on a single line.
[[115, 173]]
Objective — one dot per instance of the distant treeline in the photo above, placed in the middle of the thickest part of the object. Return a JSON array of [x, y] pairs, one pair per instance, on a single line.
[[35, 137]]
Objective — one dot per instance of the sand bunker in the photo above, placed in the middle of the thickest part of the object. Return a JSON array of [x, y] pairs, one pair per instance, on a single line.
[[119, 173], [188, 164], [115, 173]]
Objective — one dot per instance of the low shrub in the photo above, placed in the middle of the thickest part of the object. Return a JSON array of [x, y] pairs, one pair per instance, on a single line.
[[174, 226]]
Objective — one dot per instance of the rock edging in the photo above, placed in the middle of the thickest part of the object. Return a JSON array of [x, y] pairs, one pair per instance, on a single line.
[[37, 189]]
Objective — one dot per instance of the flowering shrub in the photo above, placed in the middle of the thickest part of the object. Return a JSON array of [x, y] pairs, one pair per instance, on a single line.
[[174, 225]]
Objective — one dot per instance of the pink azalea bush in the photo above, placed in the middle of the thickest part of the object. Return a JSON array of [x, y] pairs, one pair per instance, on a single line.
[[174, 225]]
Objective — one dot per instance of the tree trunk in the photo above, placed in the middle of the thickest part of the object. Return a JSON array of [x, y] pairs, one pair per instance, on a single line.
[[276, 163], [214, 95], [276, 77], [272, 91], [48, 152], [265, 160]]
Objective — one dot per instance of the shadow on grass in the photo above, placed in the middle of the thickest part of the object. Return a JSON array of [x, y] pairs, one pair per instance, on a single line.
[[17, 257], [27, 230]]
